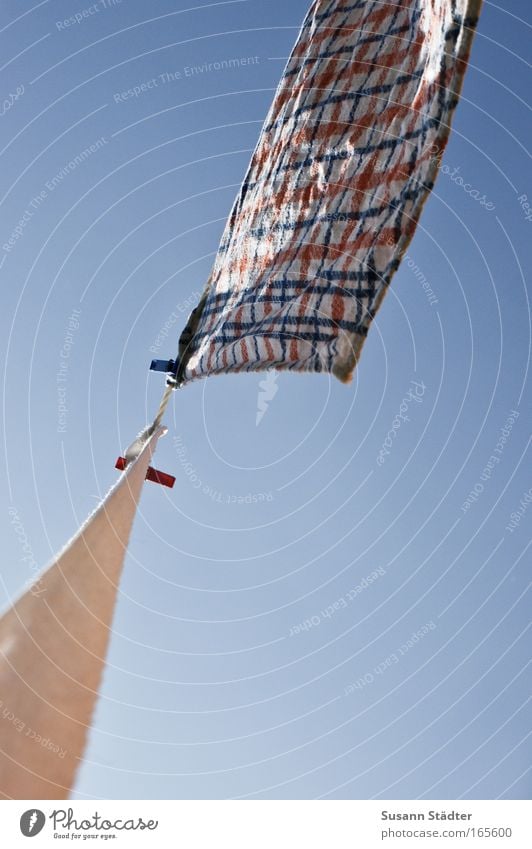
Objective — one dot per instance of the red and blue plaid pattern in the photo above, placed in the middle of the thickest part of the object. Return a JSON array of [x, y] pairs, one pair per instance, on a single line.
[[346, 158]]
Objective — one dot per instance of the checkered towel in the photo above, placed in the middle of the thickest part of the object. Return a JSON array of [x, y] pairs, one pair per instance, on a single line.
[[346, 158]]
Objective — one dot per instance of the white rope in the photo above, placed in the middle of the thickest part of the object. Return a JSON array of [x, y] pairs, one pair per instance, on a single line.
[[136, 447]]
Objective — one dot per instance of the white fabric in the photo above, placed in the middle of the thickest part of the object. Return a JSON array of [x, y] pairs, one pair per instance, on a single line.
[[53, 644]]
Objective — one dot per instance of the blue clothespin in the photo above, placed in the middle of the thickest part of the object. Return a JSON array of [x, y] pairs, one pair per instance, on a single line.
[[168, 367]]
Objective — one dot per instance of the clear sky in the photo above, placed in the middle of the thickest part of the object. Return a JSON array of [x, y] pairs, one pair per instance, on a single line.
[[120, 162]]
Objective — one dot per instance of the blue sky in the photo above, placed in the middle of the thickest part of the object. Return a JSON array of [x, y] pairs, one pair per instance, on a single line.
[[121, 160]]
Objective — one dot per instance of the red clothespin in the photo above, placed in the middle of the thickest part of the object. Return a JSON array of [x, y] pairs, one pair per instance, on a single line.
[[151, 475]]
